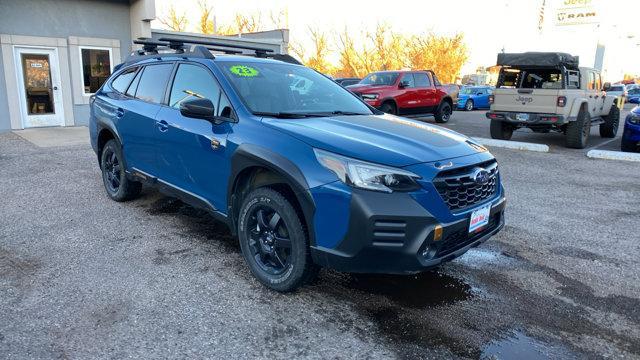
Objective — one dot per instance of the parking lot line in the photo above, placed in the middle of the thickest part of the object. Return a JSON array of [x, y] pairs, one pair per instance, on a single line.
[[602, 144], [613, 155], [516, 145]]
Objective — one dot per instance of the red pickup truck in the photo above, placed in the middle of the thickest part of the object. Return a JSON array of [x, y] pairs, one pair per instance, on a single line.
[[405, 92]]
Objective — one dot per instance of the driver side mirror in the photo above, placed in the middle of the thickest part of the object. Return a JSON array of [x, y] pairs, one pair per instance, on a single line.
[[479, 93], [606, 86], [403, 84], [202, 108]]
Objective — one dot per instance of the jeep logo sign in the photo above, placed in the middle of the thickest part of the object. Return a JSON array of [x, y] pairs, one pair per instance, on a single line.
[[524, 100]]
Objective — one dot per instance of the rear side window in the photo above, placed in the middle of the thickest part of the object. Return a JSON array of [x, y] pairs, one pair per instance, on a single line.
[[131, 91], [153, 82], [122, 81], [422, 80], [193, 81]]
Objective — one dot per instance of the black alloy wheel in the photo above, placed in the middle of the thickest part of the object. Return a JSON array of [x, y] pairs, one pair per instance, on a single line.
[[112, 171], [269, 240]]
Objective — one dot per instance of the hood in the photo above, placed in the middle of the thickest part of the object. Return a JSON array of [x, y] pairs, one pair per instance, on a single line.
[[383, 139], [367, 88], [636, 110]]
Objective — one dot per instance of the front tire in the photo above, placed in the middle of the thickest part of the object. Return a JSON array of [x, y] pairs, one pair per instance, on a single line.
[[443, 114], [118, 187], [500, 130], [468, 106], [389, 108], [578, 131], [609, 128], [274, 242]]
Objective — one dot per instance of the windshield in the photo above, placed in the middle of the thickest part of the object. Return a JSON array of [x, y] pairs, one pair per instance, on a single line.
[[616, 88], [468, 90], [380, 78], [285, 89]]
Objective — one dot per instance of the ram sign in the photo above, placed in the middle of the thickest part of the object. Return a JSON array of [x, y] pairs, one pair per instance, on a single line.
[[575, 12]]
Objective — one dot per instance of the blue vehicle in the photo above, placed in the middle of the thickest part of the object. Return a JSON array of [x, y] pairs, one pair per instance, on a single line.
[[633, 95], [304, 179], [631, 133], [474, 97]]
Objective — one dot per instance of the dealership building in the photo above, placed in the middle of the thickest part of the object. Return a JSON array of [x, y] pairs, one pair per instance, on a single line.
[[55, 54]]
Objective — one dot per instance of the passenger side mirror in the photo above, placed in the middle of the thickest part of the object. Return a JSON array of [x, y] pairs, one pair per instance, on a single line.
[[606, 86], [199, 108], [403, 84]]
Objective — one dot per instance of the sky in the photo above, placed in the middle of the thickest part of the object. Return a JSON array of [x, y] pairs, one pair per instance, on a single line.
[[488, 26]]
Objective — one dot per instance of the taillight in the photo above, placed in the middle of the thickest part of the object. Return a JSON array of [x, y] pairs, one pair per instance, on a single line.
[[562, 101], [490, 99]]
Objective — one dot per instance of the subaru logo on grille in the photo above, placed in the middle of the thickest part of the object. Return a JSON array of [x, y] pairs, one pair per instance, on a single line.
[[480, 176]]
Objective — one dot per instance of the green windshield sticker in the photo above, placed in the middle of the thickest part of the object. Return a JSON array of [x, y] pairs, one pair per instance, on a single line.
[[244, 71]]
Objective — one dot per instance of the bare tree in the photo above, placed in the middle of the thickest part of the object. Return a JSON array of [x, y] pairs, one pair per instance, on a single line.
[[173, 20]]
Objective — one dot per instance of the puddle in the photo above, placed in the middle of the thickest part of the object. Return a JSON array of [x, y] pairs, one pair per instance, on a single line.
[[522, 347], [428, 289], [479, 258]]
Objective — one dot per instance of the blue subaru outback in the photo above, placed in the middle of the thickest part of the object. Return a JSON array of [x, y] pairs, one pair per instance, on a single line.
[[304, 176]]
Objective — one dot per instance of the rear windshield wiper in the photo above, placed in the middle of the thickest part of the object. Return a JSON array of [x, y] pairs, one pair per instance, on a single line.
[[287, 115]]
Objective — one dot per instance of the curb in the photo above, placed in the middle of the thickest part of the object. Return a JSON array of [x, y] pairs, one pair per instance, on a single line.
[[515, 145], [613, 155]]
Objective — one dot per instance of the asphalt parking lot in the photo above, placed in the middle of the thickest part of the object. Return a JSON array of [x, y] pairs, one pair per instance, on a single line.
[[84, 277], [475, 124]]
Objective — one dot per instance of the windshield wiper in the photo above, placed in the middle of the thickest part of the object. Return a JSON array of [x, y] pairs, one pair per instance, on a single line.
[[287, 115], [338, 112]]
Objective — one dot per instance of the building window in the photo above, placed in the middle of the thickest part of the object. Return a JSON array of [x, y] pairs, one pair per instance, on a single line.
[[96, 68]]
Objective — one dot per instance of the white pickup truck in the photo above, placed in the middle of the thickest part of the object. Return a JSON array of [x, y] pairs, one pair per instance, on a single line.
[[550, 92]]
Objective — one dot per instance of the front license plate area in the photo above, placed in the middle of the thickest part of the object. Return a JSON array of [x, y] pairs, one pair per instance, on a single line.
[[522, 117], [479, 218]]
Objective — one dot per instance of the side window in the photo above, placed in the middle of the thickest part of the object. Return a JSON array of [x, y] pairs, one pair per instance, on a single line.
[[598, 82], [131, 91], [422, 80], [408, 77], [592, 81], [224, 108], [193, 81], [153, 82], [122, 81]]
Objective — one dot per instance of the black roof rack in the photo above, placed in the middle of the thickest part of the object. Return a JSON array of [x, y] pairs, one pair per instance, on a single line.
[[259, 51], [202, 49]]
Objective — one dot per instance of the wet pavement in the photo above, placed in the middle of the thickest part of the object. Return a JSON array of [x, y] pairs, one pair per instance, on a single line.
[[84, 277]]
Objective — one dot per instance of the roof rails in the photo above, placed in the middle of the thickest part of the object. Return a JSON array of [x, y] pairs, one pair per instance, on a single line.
[[202, 49]]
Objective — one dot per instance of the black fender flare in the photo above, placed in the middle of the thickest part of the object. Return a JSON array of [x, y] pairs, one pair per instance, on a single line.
[[395, 103], [249, 155], [104, 126], [448, 99]]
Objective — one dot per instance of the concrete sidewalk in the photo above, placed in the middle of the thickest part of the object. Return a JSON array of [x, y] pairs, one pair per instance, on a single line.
[[55, 136]]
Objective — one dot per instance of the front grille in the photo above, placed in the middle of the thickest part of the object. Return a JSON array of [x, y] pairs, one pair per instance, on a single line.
[[460, 191]]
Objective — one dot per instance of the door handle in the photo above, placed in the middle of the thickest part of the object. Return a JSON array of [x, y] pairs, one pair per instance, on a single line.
[[163, 125], [119, 112]]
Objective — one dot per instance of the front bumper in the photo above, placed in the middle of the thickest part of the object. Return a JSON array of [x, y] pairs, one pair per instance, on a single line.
[[533, 118], [394, 234], [631, 133]]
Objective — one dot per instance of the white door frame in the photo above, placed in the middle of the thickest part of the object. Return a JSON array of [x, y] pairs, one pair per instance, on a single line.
[[55, 119]]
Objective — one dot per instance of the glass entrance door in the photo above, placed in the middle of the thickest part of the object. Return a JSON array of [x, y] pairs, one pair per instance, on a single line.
[[41, 96]]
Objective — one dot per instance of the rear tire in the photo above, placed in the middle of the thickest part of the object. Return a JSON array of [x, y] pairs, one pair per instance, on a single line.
[[443, 114], [114, 178], [277, 252], [611, 122], [500, 130], [468, 106], [389, 108], [578, 131]]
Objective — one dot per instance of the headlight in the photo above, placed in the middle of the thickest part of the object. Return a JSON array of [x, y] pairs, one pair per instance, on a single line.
[[370, 96], [634, 118], [366, 175]]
